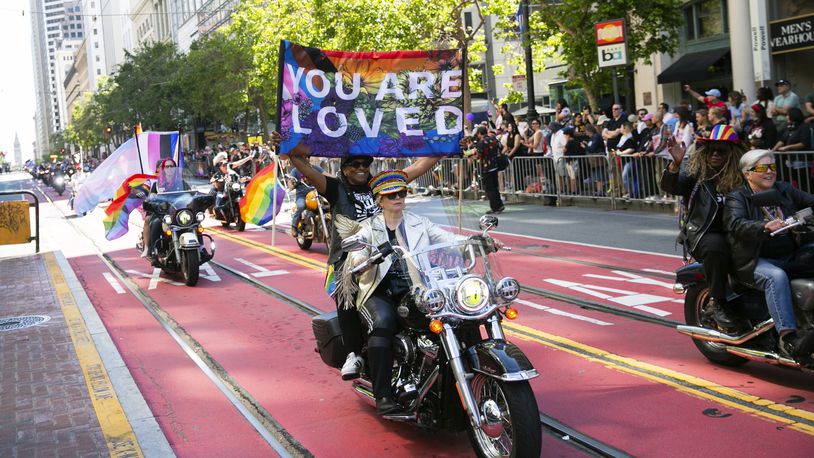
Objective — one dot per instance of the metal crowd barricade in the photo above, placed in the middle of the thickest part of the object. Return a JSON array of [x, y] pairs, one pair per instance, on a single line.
[[796, 168], [15, 220]]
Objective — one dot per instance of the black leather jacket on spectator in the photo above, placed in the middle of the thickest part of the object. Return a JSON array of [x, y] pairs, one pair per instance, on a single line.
[[703, 207], [746, 223]]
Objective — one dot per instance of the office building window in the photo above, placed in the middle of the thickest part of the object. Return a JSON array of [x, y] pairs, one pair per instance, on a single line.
[[705, 18]]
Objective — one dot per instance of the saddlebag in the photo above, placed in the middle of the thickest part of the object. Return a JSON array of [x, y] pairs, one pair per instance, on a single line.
[[329, 339]]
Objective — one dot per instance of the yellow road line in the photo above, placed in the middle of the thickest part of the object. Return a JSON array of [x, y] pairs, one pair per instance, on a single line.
[[800, 420], [121, 441], [797, 419]]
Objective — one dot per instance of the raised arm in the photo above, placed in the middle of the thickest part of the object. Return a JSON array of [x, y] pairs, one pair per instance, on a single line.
[[694, 94], [419, 167]]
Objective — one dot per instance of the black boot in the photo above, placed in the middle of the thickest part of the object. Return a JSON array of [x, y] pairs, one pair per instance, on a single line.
[[797, 345], [722, 316]]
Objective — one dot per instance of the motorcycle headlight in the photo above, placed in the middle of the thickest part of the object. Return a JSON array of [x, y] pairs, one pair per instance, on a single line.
[[434, 300], [184, 217], [59, 180], [236, 187], [167, 219], [471, 295], [507, 288], [199, 216]]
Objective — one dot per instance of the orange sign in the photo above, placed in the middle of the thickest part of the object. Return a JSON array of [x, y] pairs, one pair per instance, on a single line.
[[610, 32], [14, 223]]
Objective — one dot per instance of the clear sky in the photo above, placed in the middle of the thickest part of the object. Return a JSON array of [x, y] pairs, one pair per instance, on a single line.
[[16, 77]]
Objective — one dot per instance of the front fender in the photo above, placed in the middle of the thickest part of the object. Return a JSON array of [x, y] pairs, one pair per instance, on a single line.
[[690, 274], [501, 360]]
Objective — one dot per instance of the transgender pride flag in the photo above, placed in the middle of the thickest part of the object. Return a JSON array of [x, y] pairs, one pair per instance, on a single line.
[[140, 154]]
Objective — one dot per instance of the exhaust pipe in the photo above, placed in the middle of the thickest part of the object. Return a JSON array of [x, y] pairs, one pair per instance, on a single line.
[[712, 335], [762, 356]]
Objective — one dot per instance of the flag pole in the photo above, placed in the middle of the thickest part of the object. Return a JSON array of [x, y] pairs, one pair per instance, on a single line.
[[136, 131], [274, 199]]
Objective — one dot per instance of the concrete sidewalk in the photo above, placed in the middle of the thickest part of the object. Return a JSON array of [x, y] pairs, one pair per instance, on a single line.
[[64, 389]]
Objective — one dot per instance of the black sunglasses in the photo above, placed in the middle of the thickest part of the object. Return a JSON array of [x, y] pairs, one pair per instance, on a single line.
[[358, 164], [401, 195]]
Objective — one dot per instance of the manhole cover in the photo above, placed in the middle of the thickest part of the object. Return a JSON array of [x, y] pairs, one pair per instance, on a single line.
[[19, 322]]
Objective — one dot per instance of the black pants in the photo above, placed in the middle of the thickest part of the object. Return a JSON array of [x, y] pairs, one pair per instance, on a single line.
[[379, 313], [490, 185], [154, 232], [713, 252]]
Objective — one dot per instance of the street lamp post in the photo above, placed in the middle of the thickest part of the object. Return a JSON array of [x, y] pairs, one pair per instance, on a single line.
[[532, 112]]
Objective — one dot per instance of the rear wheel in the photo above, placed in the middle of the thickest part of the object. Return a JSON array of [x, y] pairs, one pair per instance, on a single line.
[[696, 314], [511, 410], [190, 261]]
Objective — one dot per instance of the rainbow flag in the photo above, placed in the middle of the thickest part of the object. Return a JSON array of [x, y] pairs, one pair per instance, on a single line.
[[257, 206], [330, 280], [129, 197]]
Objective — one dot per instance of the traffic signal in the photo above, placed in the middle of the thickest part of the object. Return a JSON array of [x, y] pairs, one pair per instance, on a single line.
[[62, 151]]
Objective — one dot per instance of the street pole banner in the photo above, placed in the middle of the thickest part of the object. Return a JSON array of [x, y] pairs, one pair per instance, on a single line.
[[386, 104], [140, 154]]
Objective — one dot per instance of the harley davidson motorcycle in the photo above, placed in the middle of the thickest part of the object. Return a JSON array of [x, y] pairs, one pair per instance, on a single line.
[[180, 249], [445, 375], [760, 340], [233, 188], [315, 224]]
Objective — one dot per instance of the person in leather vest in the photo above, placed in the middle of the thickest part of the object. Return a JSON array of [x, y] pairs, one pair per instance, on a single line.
[[711, 173], [765, 262], [350, 195]]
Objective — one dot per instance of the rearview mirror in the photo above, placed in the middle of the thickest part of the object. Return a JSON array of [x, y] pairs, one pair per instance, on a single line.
[[354, 243]]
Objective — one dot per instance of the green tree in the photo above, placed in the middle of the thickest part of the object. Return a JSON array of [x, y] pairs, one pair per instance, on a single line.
[[86, 129], [563, 31], [147, 89], [214, 78]]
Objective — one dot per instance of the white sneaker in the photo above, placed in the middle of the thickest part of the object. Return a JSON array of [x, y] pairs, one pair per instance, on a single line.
[[352, 367]]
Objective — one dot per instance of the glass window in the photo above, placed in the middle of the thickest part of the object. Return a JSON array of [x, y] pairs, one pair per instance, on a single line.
[[710, 18]]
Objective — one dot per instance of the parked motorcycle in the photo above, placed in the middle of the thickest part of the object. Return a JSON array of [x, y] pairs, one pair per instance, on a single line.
[[760, 340], [445, 375], [315, 224], [180, 248], [232, 191]]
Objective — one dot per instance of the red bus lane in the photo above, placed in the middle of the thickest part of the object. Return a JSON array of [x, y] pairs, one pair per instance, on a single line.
[[756, 385], [594, 377]]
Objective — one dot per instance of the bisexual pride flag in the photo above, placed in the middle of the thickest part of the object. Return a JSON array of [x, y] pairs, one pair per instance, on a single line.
[[129, 196], [391, 104], [257, 205]]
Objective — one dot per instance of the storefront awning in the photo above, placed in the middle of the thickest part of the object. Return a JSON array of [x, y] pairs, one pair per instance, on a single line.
[[692, 67]]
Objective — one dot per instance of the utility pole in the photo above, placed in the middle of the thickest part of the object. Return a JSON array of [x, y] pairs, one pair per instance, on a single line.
[[532, 112]]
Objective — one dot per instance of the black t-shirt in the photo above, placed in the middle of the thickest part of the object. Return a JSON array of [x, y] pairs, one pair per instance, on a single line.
[[614, 124], [573, 148], [364, 203]]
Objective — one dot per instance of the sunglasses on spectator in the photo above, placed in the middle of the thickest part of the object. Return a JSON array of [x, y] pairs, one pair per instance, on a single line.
[[763, 168], [400, 195], [358, 164]]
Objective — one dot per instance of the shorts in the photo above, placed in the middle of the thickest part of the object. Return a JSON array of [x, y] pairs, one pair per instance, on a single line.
[[572, 167], [559, 167]]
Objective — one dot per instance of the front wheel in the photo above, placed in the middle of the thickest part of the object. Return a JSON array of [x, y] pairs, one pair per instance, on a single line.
[[305, 233], [239, 222], [513, 409], [696, 314], [190, 266]]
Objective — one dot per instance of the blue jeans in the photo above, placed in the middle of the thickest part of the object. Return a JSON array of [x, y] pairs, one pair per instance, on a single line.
[[630, 179], [295, 220], [773, 280]]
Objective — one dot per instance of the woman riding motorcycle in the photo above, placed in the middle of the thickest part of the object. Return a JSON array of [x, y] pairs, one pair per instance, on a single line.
[[763, 261], [712, 173], [381, 287], [169, 179]]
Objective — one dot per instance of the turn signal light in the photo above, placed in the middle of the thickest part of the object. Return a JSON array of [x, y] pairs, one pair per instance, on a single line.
[[511, 313], [200, 229], [169, 233], [436, 326]]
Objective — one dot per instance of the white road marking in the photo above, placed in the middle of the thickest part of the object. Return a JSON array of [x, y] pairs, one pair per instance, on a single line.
[[657, 271], [113, 282], [554, 311], [261, 271], [155, 278], [623, 297], [632, 278], [210, 272]]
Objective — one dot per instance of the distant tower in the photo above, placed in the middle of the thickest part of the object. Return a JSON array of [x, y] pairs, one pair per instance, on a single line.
[[18, 151]]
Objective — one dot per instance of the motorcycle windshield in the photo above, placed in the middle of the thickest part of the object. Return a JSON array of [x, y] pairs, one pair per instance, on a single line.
[[170, 179], [170, 202], [453, 260]]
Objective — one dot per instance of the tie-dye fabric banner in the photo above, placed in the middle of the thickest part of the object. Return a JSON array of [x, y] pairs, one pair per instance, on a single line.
[[386, 104]]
